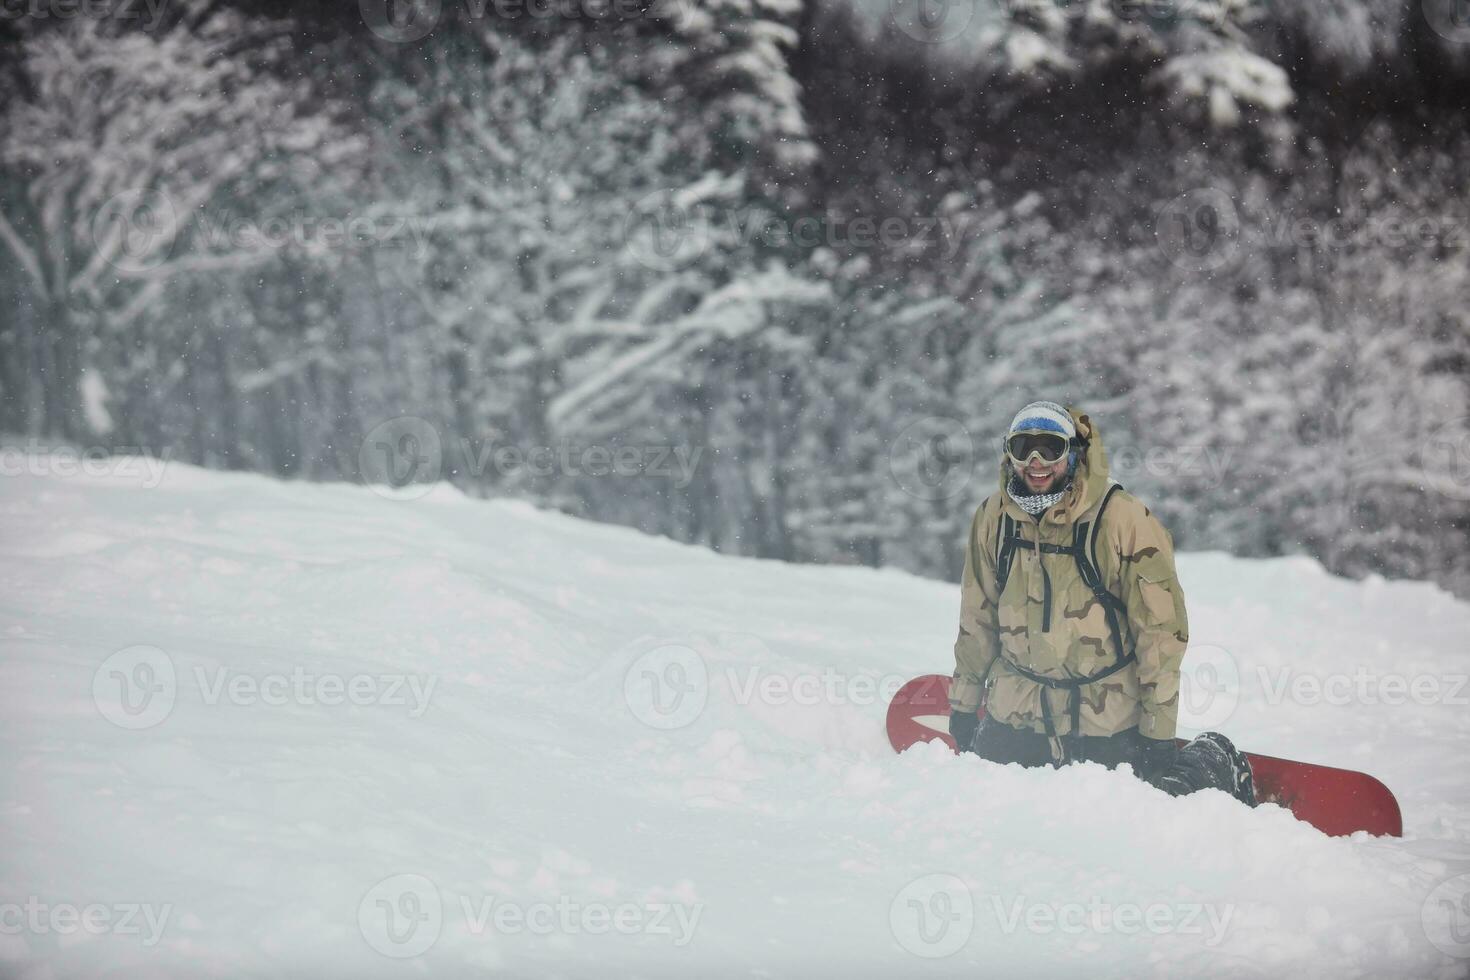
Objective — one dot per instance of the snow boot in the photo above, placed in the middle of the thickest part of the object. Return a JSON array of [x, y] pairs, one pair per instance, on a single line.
[[1210, 761]]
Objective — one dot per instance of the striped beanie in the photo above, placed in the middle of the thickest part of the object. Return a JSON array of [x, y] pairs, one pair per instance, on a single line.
[[1043, 417]]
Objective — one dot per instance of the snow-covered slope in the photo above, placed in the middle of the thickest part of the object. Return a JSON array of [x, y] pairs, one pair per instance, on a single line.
[[262, 729]]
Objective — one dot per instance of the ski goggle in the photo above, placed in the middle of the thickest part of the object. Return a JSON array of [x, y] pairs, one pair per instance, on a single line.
[[1050, 446]]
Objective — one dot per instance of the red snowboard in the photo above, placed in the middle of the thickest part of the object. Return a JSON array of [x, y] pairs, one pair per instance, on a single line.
[[1335, 801]]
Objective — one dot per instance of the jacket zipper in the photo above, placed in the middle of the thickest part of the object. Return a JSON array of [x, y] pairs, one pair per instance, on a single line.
[[1045, 582]]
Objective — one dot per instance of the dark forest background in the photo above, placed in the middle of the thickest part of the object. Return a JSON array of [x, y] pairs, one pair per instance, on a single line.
[[818, 250]]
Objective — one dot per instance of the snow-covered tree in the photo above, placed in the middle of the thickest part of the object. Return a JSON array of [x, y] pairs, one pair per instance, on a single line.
[[113, 148], [572, 248]]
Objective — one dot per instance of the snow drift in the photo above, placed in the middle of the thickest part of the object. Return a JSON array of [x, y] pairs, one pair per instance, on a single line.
[[254, 728]]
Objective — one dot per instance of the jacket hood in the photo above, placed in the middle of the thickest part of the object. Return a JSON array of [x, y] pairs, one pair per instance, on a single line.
[[1088, 484]]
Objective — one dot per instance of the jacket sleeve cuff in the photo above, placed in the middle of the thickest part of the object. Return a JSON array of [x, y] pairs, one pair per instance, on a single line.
[[1157, 723], [965, 693]]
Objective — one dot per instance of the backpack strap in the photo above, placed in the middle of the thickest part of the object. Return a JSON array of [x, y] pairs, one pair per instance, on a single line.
[[1084, 543], [1005, 551]]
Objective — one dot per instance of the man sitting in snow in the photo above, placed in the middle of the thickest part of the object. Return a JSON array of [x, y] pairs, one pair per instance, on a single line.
[[1072, 621]]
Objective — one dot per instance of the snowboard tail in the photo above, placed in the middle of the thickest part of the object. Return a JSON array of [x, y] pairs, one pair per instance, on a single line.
[[1337, 802]]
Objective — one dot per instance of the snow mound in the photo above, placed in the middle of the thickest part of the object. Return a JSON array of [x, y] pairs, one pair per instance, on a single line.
[[254, 728]]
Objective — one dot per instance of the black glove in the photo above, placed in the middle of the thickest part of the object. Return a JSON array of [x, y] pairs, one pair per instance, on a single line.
[[962, 725], [1153, 756]]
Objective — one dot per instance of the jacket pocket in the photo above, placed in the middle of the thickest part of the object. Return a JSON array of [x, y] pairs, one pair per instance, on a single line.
[[1157, 597]]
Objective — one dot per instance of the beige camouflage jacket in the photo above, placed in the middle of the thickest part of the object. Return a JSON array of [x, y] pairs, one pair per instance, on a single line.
[[1135, 556]]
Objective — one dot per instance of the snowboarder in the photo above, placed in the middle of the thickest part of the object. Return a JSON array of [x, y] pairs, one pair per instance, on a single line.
[[1072, 621]]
